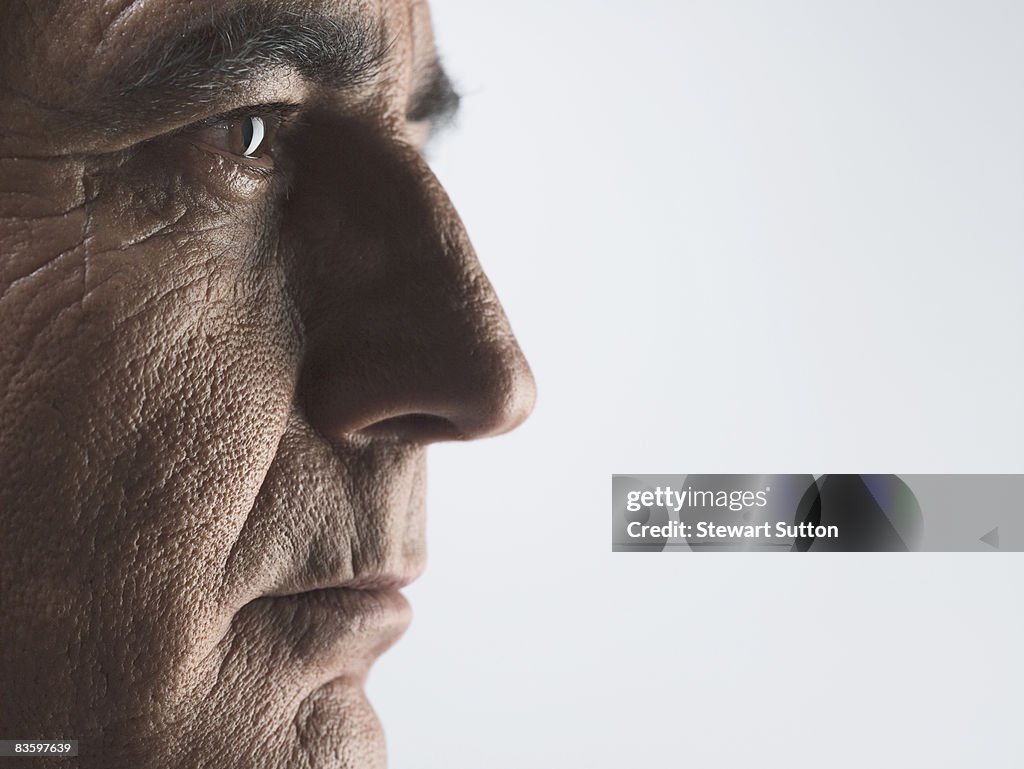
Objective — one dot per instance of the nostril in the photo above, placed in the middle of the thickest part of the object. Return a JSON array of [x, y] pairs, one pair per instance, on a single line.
[[418, 428]]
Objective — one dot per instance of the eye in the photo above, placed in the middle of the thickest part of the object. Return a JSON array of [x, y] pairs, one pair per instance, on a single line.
[[252, 132], [249, 136], [245, 136]]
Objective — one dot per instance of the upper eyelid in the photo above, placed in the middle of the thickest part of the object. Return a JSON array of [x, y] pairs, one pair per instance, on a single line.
[[282, 110], [287, 112]]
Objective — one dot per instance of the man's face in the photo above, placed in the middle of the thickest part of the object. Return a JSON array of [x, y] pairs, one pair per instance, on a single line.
[[235, 306]]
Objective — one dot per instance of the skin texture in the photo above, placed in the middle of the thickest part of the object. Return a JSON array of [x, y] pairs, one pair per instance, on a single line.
[[217, 386]]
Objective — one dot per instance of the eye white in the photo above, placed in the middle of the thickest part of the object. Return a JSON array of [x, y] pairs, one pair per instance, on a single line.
[[252, 134]]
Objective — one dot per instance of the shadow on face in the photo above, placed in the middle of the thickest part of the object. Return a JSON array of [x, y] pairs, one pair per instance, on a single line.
[[236, 308]]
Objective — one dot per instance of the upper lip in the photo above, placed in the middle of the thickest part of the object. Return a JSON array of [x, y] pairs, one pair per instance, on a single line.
[[373, 581]]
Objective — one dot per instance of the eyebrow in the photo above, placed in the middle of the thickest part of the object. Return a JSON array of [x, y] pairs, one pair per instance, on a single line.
[[225, 53], [436, 100]]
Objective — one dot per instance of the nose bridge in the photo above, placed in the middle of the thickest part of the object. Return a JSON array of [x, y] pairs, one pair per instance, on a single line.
[[404, 333]]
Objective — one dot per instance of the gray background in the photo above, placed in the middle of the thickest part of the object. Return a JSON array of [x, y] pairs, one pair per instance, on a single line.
[[732, 237]]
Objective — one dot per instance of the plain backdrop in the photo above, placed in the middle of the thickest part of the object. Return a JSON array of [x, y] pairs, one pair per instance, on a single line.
[[744, 237]]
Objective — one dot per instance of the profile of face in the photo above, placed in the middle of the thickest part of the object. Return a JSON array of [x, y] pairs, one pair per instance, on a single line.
[[235, 308]]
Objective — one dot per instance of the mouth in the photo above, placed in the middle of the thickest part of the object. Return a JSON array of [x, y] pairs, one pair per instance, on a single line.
[[324, 633], [300, 662], [338, 632]]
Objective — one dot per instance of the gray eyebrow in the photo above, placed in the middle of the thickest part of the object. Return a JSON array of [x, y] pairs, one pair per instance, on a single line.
[[222, 53]]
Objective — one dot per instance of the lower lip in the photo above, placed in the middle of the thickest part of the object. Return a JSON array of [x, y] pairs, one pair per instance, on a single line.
[[338, 632]]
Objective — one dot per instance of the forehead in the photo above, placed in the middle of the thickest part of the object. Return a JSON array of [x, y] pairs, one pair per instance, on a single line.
[[401, 20], [74, 40]]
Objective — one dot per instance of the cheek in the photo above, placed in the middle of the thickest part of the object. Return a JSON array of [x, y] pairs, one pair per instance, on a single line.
[[143, 404], [192, 339]]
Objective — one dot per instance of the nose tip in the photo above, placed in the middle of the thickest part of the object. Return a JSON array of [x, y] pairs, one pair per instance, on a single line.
[[413, 395], [493, 414], [501, 405], [520, 402]]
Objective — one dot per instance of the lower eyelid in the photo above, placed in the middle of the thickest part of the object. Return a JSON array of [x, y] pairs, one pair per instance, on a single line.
[[264, 162], [223, 174]]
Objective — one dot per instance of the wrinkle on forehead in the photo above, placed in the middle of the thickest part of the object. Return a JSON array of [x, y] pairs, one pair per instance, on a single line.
[[117, 13], [116, 10], [132, 21], [61, 45]]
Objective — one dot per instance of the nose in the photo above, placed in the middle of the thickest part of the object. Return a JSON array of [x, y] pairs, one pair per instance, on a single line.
[[404, 335]]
